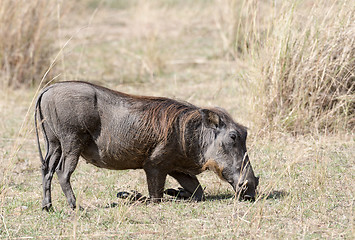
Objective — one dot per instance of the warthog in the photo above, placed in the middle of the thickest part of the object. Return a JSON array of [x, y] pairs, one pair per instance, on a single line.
[[119, 131]]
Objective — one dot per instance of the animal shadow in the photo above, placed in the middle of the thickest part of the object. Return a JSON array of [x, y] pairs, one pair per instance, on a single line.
[[134, 197], [219, 197], [275, 194]]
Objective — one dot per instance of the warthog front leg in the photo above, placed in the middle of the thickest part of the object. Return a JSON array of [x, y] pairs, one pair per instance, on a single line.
[[156, 181], [190, 184]]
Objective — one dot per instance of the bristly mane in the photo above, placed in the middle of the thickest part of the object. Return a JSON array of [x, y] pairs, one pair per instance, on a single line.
[[161, 115]]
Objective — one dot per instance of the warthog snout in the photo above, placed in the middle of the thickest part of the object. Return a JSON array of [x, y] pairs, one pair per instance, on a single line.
[[246, 190], [246, 193]]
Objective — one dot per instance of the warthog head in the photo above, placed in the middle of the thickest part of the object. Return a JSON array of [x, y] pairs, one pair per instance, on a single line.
[[225, 152]]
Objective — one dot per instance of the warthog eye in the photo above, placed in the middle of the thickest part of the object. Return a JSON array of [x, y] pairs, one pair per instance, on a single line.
[[233, 135]]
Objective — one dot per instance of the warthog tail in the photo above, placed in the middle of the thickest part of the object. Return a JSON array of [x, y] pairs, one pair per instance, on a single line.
[[40, 118]]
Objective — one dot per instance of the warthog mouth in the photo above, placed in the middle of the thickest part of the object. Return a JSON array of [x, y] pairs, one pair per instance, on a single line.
[[247, 197], [243, 193]]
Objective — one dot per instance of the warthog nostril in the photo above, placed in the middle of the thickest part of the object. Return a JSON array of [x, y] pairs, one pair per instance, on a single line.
[[248, 198]]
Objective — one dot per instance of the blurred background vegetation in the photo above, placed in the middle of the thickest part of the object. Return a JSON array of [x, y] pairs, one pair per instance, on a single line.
[[294, 59]]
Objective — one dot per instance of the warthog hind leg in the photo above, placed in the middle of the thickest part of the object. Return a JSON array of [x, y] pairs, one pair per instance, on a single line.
[[49, 165], [68, 163], [51, 161]]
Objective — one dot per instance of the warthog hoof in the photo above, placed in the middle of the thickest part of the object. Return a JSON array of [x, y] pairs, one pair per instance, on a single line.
[[47, 207], [132, 196], [179, 194]]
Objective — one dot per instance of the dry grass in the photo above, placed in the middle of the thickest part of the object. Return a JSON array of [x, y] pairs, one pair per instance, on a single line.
[[306, 191], [305, 79], [183, 50], [26, 41], [243, 25]]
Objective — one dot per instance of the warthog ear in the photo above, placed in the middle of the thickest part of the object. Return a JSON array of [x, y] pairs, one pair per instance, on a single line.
[[210, 119]]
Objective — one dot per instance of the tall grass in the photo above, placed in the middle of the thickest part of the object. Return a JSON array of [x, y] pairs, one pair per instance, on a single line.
[[242, 25], [305, 66], [26, 42]]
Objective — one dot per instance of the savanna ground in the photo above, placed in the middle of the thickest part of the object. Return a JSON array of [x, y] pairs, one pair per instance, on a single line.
[[178, 49]]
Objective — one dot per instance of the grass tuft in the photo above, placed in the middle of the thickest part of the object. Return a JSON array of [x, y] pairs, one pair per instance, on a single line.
[[26, 43], [305, 78]]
